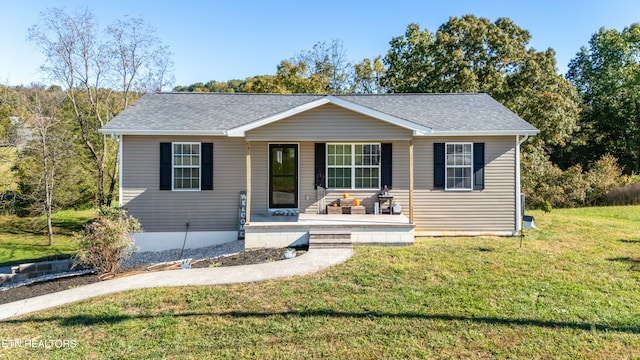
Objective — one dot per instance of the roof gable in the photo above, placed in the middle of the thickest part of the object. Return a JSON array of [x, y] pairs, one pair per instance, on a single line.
[[328, 122], [419, 129]]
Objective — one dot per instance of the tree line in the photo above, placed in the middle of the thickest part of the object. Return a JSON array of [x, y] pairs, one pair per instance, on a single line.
[[51, 155], [589, 119], [49, 135]]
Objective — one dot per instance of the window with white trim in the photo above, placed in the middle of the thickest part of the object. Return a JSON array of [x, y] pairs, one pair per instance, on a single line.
[[459, 166], [185, 166], [353, 166]]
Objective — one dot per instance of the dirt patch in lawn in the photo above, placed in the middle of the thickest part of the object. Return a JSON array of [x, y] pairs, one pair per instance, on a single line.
[[52, 286]]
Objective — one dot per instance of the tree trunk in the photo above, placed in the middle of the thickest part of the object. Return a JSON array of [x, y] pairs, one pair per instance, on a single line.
[[49, 227], [48, 184], [113, 179]]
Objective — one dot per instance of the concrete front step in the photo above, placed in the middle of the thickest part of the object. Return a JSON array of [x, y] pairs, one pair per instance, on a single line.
[[329, 239]]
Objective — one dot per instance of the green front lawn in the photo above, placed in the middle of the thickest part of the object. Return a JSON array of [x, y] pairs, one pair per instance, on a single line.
[[571, 291], [25, 239]]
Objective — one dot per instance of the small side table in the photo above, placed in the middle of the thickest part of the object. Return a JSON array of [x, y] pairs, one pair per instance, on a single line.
[[383, 199]]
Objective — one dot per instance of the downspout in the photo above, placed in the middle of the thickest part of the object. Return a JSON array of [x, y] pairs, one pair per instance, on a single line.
[[518, 187], [119, 139], [248, 167], [411, 185], [120, 177]]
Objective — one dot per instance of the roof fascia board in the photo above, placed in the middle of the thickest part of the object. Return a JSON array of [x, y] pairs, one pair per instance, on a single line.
[[163, 132], [484, 133]]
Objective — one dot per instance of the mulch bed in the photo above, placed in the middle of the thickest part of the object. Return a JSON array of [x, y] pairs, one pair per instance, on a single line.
[[42, 288]]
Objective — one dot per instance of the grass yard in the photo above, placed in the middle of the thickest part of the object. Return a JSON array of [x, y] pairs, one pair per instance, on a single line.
[[570, 291], [24, 239]]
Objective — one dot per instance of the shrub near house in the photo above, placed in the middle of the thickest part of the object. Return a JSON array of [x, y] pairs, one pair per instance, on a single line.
[[108, 241]]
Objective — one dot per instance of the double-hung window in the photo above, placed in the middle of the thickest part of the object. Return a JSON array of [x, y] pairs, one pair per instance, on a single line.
[[459, 166], [353, 166], [186, 166]]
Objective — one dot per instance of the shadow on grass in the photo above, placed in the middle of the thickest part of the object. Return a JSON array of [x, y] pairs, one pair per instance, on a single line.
[[630, 241], [11, 249], [68, 226], [60, 256], [38, 226], [88, 320], [634, 262]]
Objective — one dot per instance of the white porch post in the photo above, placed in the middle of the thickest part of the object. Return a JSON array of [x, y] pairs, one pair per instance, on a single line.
[[248, 183]]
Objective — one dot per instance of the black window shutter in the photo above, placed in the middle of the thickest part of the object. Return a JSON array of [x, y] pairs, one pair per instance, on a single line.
[[207, 166], [438, 166], [320, 165], [387, 165], [478, 166], [165, 166]]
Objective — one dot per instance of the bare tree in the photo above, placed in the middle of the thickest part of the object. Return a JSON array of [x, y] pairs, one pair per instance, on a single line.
[[97, 70], [45, 154], [328, 60], [140, 64], [140, 61]]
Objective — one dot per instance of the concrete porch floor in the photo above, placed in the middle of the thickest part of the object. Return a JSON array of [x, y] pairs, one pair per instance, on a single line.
[[329, 220], [283, 231]]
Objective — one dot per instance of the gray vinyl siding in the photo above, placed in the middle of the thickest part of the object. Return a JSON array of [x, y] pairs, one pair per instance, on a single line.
[[170, 210], [259, 177], [489, 210], [486, 211], [329, 123], [306, 185]]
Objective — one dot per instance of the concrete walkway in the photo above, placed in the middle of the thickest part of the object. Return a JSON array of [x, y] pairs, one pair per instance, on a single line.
[[312, 261]]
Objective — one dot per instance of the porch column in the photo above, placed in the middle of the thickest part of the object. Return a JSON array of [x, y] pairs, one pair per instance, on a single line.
[[248, 183], [411, 181]]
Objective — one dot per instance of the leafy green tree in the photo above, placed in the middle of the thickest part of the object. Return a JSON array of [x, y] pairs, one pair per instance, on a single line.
[[290, 79], [231, 86], [367, 76], [410, 62], [294, 78], [265, 84], [472, 54], [607, 76]]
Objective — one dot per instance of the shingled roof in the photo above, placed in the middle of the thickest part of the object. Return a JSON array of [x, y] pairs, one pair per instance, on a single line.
[[221, 114]]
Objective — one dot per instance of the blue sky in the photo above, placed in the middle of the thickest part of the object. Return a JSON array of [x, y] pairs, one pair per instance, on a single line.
[[236, 39]]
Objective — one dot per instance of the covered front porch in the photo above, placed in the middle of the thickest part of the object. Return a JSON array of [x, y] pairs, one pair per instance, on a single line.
[[300, 164], [266, 230]]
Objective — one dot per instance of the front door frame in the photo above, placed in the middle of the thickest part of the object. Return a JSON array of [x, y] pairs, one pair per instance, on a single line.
[[296, 147]]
